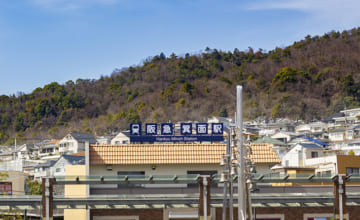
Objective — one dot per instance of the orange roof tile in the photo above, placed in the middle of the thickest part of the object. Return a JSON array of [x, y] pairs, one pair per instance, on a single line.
[[171, 154], [52, 142], [157, 154], [263, 153]]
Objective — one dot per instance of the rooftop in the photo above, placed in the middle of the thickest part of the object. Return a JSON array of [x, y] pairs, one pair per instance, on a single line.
[[172, 154]]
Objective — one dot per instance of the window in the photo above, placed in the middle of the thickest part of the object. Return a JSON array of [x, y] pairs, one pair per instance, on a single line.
[[314, 154], [125, 142], [58, 170], [351, 170], [202, 172], [130, 173]]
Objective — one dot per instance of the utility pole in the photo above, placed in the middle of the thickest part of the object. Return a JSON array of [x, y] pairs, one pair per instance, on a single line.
[[241, 157]]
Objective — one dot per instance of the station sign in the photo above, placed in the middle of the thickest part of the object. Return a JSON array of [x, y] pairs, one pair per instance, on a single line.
[[165, 132]]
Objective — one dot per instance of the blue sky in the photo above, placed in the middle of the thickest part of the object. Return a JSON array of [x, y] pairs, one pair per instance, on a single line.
[[44, 41]]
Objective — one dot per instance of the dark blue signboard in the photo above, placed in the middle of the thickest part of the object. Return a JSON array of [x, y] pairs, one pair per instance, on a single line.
[[135, 129], [151, 129], [186, 128], [217, 128], [207, 138], [166, 129], [167, 132], [201, 128]]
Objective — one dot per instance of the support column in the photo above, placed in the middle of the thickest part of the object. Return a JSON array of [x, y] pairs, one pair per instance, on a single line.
[[204, 198], [339, 200], [47, 198]]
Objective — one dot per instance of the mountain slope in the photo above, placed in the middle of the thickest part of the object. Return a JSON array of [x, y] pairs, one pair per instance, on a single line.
[[308, 80]]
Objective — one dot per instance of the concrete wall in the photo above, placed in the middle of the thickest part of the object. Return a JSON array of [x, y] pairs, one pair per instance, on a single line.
[[17, 179], [72, 191]]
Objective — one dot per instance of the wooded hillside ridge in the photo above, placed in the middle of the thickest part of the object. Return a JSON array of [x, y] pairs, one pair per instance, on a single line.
[[308, 80]]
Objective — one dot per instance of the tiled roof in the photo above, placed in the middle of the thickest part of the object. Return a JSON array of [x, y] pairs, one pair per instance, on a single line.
[[79, 154], [263, 153], [157, 154], [52, 142], [172, 154]]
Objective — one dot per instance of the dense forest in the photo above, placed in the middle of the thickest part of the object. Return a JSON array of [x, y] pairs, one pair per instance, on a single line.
[[307, 80]]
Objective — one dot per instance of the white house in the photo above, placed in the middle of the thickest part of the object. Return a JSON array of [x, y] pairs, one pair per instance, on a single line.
[[74, 142], [284, 136], [43, 169], [48, 148], [298, 155], [121, 138], [337, 134], [58, 169], [311, 127]]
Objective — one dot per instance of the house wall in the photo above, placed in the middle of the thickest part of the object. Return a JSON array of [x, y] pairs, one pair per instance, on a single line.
[[347, 161], [308, 151], [336, 136], [263, 168], [298, 156], [120, 139], [292, 157], [70, 145], [59, 168], [75, 191]]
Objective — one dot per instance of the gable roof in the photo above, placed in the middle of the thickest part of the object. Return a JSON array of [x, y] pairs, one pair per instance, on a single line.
[[79, 160], [263, 153], [157, 154], [266, 139], [172, 154], [83, 137]]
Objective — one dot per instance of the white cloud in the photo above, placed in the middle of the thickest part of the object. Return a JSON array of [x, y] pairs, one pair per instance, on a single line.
[[337, 12]]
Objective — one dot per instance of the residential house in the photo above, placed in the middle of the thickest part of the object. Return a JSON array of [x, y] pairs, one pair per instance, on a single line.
[[351, 116], [121, 138], [26, 151], [298, 155], [103, 140], [59, 167], [43, 169], [29, 170], [335, 164], [6, 156], [272, 125], [49, 148], [284, 136], [278, 146], [264, 157], [74, 142], [311, 127], [226, 121]]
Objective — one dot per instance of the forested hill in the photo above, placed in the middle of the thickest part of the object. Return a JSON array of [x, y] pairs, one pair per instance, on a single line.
[[308, 80]]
